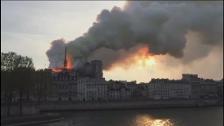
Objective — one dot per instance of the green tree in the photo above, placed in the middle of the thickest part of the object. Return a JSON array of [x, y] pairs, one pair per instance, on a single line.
[[43, 86], [17, 73]]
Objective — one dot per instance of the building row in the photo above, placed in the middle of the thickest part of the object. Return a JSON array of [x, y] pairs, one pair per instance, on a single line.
[[91, 88]]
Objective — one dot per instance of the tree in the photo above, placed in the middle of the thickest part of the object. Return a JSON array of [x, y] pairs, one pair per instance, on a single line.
[[7, 89], [43, 84], [24, 83], [17, 71]]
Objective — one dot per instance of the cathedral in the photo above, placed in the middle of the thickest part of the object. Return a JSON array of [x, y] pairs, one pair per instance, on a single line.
[[65, 78]]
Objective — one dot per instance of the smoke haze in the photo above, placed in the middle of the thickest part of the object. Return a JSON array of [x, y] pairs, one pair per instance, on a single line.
[[165, 28]]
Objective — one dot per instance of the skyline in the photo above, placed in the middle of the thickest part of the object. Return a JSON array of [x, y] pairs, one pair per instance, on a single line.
[[35, 26]]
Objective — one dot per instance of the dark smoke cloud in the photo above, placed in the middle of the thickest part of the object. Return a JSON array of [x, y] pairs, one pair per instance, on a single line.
[[161, 26], [56, 53], [109, 56]]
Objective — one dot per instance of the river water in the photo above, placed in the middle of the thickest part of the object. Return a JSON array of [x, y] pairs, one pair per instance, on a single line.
[[211, 116]]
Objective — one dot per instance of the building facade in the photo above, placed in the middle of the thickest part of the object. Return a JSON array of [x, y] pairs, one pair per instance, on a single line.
[[87, 84], [92, 89], [169, 89]]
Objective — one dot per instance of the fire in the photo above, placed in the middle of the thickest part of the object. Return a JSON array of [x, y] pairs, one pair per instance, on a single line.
[[144, 58], [141, 58], [69, 64], [56, 70]]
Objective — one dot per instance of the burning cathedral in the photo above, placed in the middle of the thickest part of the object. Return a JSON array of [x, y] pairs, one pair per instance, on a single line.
[[66, 78], [86, 83], [92, 69]]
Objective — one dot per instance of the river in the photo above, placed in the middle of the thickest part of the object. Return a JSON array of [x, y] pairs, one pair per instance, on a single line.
[[209, 116]]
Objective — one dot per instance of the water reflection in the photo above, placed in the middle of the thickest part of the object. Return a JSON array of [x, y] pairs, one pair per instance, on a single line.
[[161, 117], [139, 120], [145, 120]]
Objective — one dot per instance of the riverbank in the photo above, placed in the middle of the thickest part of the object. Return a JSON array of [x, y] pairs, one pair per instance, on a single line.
[[28, 120], [125, 105], [38, 118], [203, 116], [33, 109]]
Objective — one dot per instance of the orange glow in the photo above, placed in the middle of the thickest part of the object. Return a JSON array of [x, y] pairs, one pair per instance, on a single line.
[[69, 64], [141, 57], [56, 70], [144, 120], [144, 58]]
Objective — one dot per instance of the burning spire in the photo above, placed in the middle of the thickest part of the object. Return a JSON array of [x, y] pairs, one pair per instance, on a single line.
[[65, 59], [68, 61]]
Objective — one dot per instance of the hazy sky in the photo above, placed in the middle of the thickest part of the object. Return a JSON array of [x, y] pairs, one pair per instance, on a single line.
[[28, 28]]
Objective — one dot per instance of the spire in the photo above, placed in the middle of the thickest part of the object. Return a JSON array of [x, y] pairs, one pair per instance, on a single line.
[[65, 58]]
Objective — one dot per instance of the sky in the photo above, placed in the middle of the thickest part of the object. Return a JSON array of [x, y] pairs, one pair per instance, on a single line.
[[28, 28]]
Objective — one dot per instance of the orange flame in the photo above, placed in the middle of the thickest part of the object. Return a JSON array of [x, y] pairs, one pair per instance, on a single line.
[[56, 70], [141, 57], [69, 64], [144, 58]]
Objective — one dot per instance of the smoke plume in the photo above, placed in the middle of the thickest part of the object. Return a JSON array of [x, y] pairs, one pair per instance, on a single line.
[[162, 27], [56, 53]]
